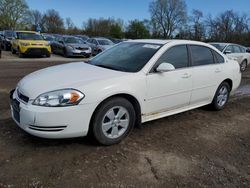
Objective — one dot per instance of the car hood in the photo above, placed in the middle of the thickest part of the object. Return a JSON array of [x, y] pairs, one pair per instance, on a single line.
[[72, 75]]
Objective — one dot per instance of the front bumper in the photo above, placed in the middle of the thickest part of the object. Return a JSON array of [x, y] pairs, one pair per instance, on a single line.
[[51, 122], [30, 50], [75, 52]]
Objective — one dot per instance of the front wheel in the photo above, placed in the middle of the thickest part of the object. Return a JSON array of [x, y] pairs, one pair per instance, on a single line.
[[113, 121], [221, 97], [243, 66]]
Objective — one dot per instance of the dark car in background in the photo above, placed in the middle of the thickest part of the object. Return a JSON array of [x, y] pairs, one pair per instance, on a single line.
[[99, 44], [49, 38], [6, 38], [70, 46]]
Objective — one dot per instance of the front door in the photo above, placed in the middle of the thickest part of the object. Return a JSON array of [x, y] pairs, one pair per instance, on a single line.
[[169, 90]]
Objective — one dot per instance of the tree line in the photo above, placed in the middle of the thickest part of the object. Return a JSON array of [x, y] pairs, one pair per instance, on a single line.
[[169, 19]]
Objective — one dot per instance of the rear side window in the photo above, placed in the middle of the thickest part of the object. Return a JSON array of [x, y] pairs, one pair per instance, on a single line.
[[201, 55], [177, 56], [218, 57]]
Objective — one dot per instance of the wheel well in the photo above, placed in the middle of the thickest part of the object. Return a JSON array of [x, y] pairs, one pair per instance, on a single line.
[[131, 99], [230, 82]]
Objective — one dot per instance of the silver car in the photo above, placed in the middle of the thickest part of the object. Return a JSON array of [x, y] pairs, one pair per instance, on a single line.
[[99, 44], [70, 46]]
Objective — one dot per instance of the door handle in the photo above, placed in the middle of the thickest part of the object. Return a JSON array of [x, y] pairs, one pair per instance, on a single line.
[[186, 75], [217, 70]]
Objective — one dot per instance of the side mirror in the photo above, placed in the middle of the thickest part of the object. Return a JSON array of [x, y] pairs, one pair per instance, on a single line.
[[248, 50], [227, 52], [165, 67]]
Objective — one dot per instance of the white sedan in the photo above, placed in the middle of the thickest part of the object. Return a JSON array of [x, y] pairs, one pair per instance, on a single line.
[[131, 83], [236, 52]]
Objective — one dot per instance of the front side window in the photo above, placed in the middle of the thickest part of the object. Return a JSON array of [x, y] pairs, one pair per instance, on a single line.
[[177, 56], [201, 55], [237, 49], [126, 56], [229, 49]]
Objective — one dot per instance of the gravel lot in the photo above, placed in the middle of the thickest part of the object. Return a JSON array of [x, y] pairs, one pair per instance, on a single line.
[[199, 148]]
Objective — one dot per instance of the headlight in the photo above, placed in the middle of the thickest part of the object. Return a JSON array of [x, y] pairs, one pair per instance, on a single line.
[[70, 47], [64, 97], [24, 44]]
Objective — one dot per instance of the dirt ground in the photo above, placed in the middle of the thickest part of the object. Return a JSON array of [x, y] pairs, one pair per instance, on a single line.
[[199, 148]]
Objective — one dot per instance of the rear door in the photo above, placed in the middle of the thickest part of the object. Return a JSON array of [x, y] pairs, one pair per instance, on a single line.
[[207, 73]]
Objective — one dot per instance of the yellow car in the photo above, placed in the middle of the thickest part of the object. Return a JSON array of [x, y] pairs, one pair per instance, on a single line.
[[30, 43]]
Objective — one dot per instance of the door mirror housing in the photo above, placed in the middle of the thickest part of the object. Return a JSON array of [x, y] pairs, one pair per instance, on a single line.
[[165, 67], [227, 52]]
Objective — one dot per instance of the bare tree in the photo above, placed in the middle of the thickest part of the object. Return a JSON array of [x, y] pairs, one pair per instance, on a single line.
[[13, 14], [52, 22], [228, 26], [170, 15], [198, 26], [69, 23]]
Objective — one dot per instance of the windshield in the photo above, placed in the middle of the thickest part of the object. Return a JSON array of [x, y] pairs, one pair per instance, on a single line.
[[105, 42], [72, 40], [126, 56], [29, 36], [219, 46]]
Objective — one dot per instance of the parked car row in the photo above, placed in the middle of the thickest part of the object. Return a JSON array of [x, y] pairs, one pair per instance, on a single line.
[[32, 43]]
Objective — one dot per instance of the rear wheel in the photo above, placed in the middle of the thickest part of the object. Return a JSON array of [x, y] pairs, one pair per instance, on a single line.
[[113, 121], [243, 66], [221, 97]]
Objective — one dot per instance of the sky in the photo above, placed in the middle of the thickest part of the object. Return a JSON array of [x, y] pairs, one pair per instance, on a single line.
[[80, 10]]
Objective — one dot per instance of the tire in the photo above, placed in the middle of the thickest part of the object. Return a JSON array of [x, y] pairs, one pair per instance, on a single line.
[[13, 51], [48, 54], [221, 97], [20, 55], [106, 123], [65, 54], [243, 66]]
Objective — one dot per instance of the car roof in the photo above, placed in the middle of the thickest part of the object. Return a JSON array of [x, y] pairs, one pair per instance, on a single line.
[[163, 42]]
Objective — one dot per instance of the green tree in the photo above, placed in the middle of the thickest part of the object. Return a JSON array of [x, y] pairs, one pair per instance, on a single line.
[[137, 30], [13, 14], [116, 30]]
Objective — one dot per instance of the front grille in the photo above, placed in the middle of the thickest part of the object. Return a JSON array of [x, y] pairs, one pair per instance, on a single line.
[[79, 48], [22, 97], [47, 129], [37, 44]]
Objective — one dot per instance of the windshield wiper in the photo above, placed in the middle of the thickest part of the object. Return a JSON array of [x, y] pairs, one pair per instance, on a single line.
[[107, 67]]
